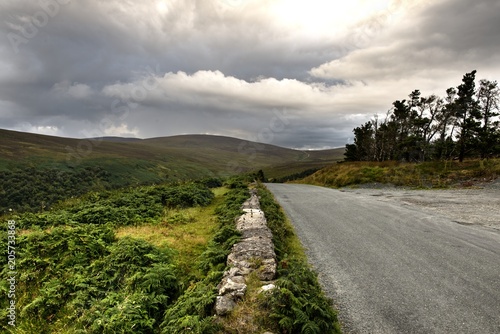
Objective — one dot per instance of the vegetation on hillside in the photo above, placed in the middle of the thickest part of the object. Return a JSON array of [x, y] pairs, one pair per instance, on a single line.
[[430, 174], [38, 171], [76, 274], [155, 160], [464, 124], [295, 176], [33, 189]]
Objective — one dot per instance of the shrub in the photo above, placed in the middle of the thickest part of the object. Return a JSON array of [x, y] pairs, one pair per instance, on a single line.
[[87, 279], [122, 208], [31, 189], [298, 303]]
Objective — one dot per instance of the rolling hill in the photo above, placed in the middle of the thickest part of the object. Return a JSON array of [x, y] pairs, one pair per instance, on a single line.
[[179, 157]]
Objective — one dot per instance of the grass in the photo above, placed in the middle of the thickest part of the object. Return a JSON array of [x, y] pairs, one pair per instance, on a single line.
[[187, 231], [188, 237], [436, 174], [250, 315]]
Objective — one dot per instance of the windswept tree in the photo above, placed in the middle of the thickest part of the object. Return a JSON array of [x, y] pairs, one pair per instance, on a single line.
[[488, 97], [467, 114], [426, 123], [385, 140], [445, 125], [402, 116], [363, 147], [465, 123]]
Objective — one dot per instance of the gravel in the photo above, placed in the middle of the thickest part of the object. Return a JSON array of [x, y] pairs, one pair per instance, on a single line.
[[478, 205]]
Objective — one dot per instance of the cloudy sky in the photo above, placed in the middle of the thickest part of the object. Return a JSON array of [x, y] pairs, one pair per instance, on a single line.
[[293, 73]]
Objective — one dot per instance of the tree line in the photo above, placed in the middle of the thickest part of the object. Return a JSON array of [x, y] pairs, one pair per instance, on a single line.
[[463, 124]]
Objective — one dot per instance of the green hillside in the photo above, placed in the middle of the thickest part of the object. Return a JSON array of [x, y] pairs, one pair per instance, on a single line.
[[429, 174], [177, 157], [37, 170]]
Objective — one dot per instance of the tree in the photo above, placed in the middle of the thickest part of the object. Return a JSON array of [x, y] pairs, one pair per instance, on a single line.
[[426, 125], [363, 147], [445, 118], [467, 113], [488, 97], [259, 176], [466, 122]]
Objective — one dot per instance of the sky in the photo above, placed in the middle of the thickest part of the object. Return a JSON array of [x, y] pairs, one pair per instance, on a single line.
[[294, 73]]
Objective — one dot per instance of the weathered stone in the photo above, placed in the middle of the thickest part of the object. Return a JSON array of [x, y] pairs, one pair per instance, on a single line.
[[267, 271], [233, 271], [253, 201], [257, 232], [238, 279], [253, 247], [229, 287], [267, 288], [251, 219], [224, 305]]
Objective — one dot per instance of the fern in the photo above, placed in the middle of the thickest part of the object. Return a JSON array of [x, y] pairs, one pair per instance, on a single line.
[[191, 312], [76, 276]]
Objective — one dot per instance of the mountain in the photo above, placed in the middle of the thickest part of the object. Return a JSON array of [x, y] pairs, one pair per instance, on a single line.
[[164, 158]]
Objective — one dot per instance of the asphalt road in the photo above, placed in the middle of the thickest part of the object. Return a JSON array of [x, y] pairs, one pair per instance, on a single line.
[[392, 268]]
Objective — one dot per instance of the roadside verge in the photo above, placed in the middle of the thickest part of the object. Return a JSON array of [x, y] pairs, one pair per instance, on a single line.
[[278, 285]]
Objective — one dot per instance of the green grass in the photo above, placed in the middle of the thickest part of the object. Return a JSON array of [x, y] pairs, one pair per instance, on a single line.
[[153, 275], [436, 174], [188, 235]]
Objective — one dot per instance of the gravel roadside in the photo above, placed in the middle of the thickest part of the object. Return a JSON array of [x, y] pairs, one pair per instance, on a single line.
[[479, 205]]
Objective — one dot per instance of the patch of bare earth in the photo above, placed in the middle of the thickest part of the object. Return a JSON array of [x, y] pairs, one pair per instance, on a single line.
[[477, 205]]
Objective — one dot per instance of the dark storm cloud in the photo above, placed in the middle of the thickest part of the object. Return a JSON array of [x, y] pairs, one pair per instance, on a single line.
[[154, 68]]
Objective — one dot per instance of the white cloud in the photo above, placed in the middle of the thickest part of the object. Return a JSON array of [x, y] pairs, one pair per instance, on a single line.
[[121, 130], [214, 89], [73, 90], [426, 46], [50, 130]]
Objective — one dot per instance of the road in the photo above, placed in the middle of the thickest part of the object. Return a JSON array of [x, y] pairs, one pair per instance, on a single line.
[[395, 268]]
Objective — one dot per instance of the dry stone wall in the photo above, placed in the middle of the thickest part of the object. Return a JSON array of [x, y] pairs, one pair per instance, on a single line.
[[254, 253]]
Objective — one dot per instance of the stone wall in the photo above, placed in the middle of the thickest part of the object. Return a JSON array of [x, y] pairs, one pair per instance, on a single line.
[[254, 253]]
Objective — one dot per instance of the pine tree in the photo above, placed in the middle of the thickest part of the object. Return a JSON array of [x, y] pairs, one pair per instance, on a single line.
[[467, 113], [488, 97]]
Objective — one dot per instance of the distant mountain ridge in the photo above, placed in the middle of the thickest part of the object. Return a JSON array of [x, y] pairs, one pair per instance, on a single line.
[[173, 158]]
